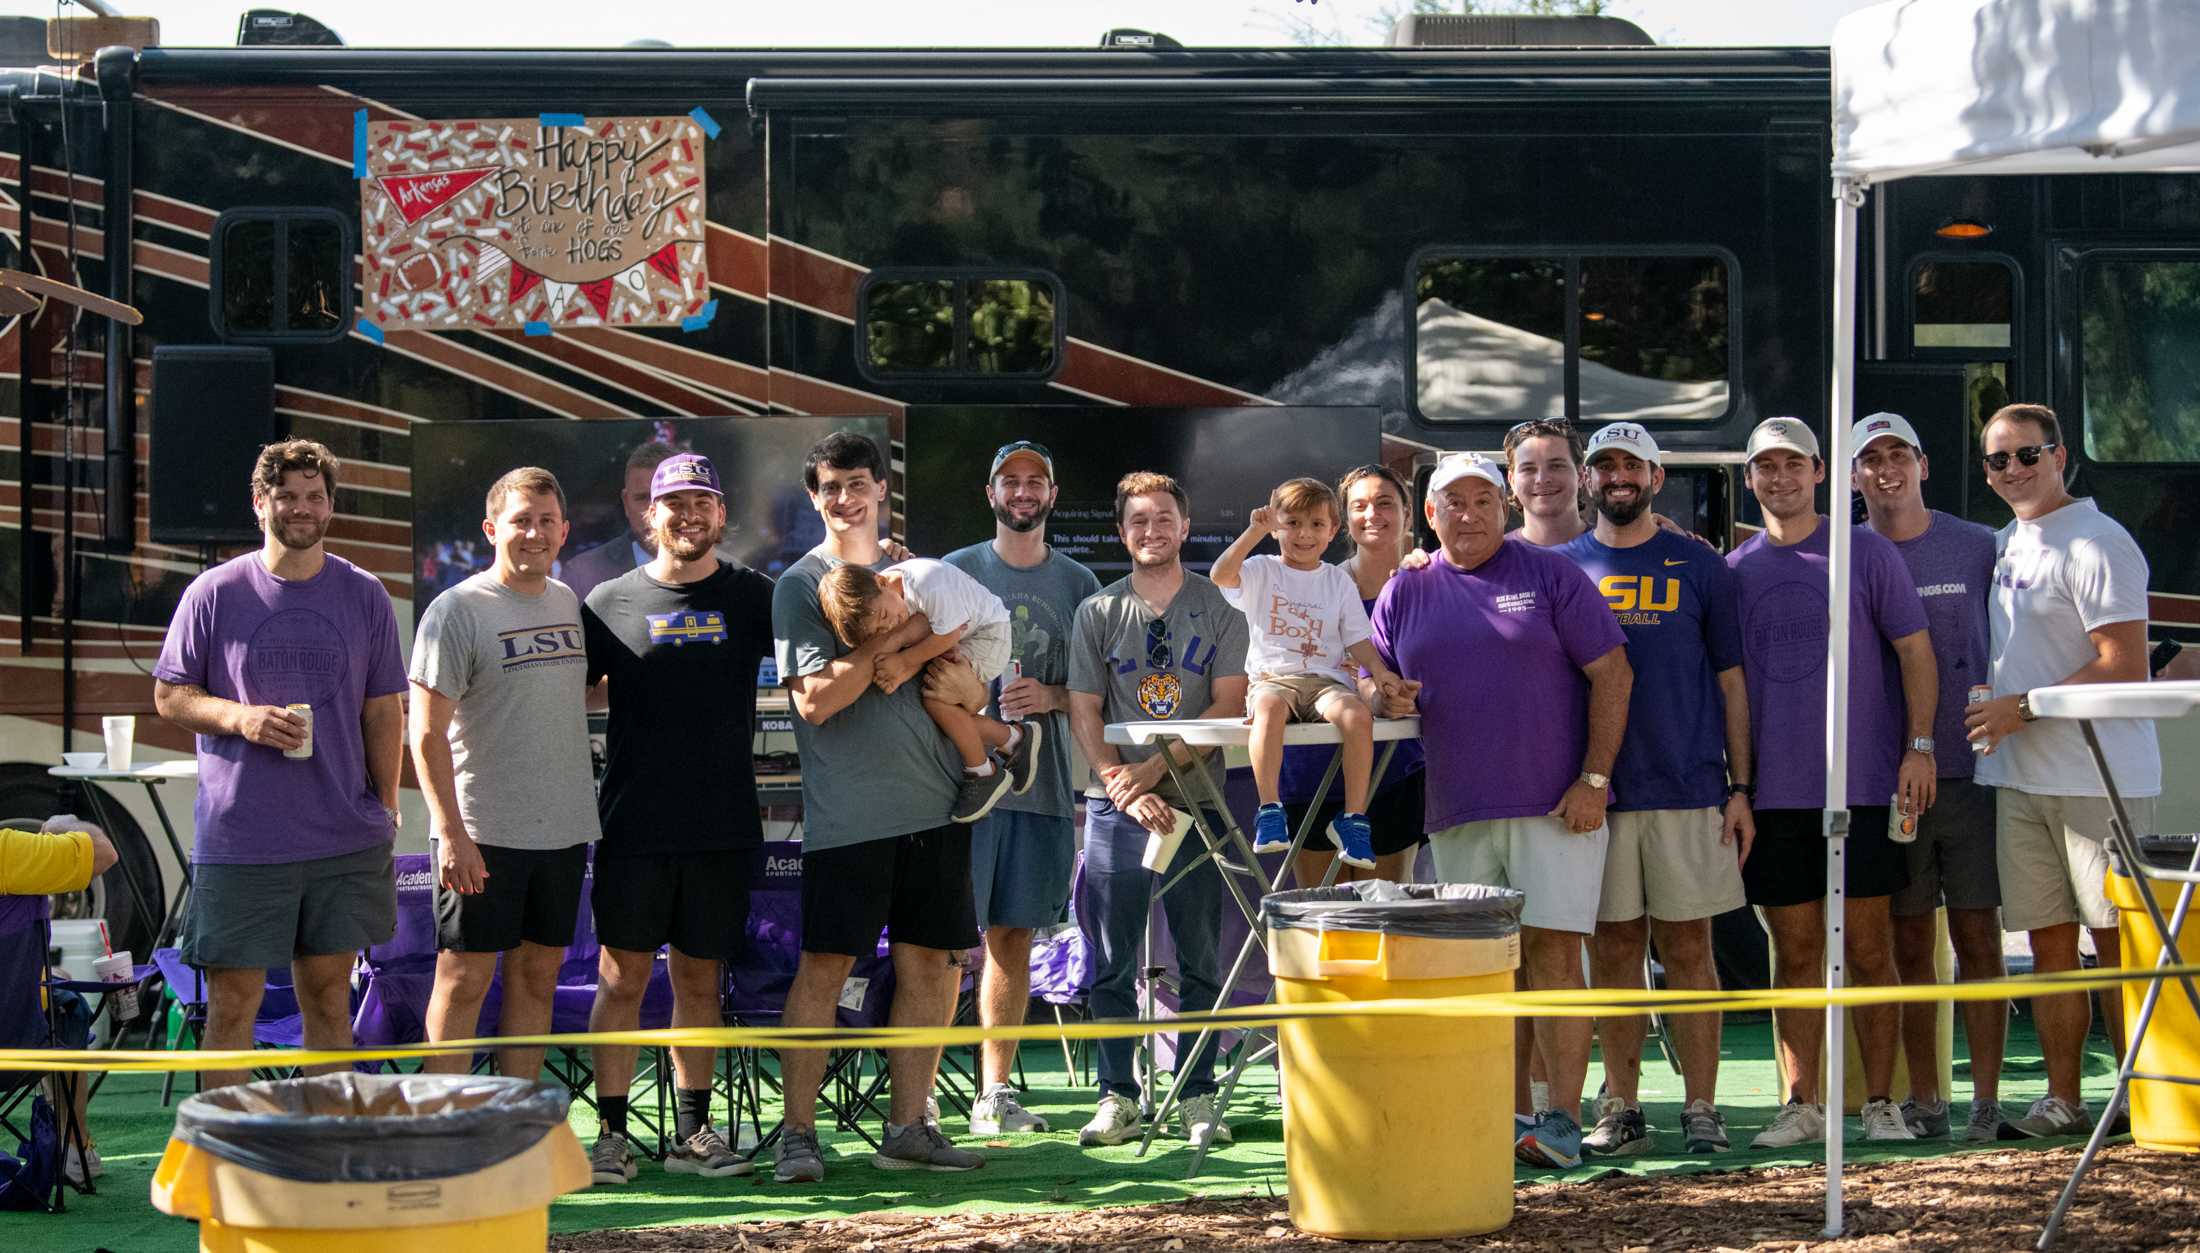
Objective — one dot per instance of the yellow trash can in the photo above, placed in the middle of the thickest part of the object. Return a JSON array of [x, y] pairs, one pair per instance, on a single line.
[[1364, 1096], [2163, 1115], [352, 1163]]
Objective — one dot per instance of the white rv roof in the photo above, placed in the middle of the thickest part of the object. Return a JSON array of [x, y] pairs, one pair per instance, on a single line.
[[2016, 87]]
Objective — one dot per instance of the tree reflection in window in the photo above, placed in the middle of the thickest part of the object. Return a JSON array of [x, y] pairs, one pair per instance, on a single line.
[[1653, 338], [995, 326], [2139, 320], [1011, 326], [910, 326]]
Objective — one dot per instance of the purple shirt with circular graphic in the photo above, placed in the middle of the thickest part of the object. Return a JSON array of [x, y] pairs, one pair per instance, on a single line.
[[330, 642], [1785, 620]]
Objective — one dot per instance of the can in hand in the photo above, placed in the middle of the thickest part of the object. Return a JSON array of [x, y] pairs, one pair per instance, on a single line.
[[1901, 823], [1980, 694], [304, 750]]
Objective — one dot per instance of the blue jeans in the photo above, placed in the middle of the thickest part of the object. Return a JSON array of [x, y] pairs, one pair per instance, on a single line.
[[1120, 892]]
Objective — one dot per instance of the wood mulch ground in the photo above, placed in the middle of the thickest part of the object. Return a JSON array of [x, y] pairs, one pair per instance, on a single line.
[[2133, 1199]]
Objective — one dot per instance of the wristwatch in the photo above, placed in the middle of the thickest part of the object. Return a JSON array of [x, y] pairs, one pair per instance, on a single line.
[[1595, 780], [1922, 744], [2024, 708], [1747, 791]]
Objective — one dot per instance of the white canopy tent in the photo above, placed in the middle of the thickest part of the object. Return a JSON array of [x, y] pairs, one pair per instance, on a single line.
[[1972, 87]]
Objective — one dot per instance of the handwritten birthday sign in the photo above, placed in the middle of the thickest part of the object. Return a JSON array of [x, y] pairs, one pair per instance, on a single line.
[[501, 223]]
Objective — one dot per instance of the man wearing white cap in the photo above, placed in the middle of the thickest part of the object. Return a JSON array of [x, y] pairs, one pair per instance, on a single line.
[[1680, 818], [1523, 703], [1952, 860], [1782, 579]]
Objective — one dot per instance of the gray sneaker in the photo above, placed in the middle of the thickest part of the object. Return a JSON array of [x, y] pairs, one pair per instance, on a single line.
[[920, 1146], [1621, 1129], [998, 1111], [800, 1160], [1023, 762], [978, 794], [706, 1153], [1703, 1128], [1926, 1121], [1985, 1124], [1201, 1117], [612, 1159], [2049, 1116]]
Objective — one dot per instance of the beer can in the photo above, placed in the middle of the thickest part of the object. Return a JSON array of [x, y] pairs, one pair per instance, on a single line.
[[304, 750], [1980, 694], [1901, 823]]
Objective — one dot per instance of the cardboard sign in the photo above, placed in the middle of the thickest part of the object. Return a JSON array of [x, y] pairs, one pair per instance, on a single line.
[[512, 223]]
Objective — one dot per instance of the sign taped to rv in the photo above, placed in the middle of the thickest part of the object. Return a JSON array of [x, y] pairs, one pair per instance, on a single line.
[[554, 220]]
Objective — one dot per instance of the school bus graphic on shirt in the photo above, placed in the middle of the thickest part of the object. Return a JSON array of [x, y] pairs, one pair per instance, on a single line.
[[687, 626]]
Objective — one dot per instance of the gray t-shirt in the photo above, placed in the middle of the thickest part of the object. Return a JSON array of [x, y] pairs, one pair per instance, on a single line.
[[1042, 605], [1145, 668], [877, 769], [517, 667]]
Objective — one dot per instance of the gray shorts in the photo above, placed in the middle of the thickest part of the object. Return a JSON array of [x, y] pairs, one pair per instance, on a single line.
[[257, 916], [1020, 868], [1952, 860]]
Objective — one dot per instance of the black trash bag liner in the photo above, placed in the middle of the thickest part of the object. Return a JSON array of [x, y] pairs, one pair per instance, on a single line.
[[2168, 852], [355, 1128], [1427, 911]]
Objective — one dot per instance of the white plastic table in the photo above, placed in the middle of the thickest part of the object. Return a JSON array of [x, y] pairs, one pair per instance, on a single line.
[[1233, 855], [151, 775], [2087, 703]]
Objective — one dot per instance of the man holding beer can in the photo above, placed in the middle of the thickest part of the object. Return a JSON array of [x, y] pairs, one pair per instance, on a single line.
[[291, 863], [1951, 853]]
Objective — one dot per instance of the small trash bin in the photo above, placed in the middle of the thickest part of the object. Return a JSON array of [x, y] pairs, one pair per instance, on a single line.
[[1396, 1128], [348, 1163], [2163, 1115]]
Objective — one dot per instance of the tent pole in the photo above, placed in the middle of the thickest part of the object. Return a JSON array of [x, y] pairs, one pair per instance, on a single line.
[[1847, 198]]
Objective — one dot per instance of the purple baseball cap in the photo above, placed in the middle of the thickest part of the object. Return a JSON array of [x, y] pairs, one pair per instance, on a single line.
[[686, 472]]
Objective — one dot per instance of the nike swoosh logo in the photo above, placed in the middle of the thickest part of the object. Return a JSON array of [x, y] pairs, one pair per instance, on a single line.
[[1669, 561]]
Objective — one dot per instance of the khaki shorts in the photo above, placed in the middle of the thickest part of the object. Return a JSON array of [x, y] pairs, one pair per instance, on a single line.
[[2053, 855], [1558, 869], [1669, 864], [1304, 692]]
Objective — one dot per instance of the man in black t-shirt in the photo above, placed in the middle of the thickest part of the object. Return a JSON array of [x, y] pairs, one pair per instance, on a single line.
[[679, 641]]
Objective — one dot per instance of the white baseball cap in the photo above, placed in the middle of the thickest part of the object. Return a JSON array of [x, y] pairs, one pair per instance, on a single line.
[[1452, 467], [1623, 435], [1792, 434], [1879, 426]]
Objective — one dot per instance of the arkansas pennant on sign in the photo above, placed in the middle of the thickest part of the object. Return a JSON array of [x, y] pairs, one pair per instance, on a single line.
[[507, 223]]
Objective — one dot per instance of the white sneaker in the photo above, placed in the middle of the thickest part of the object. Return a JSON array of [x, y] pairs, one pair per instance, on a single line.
[[78, 1168], [998, 1111], [1202, 1119], [1115, 1122], [1796, 1123], [1883, 1121]]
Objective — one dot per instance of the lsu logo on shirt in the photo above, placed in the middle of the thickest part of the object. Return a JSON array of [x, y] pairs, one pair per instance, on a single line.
[[1624, 592], [1160, 694], [687, 626], [557, 644]]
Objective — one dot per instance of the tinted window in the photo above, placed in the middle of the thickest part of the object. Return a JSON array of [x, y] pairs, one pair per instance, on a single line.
[[248, 276], [1490, 338], [282, 274], [1653, 338], [315, 277], [924, 323], [910, 326], [2139, 322], [1011, 326], [1962, 304]]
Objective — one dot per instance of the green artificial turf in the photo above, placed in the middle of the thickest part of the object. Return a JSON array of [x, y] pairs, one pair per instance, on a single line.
[[1027, 1172]]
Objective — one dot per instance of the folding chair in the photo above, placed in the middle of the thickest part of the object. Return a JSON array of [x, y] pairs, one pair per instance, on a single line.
[[28, 1019]]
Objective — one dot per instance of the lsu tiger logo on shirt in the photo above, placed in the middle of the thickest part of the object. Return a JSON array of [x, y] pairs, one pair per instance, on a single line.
[[1160, 693], [687, 626]]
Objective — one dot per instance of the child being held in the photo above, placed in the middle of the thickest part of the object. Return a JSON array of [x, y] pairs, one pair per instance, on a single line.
[[861, 605], [1307, 622]]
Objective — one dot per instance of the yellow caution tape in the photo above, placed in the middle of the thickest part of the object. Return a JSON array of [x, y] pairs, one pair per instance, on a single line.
[[1556, 1003]]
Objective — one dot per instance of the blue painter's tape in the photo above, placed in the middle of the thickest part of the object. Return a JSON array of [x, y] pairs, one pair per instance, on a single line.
[[359, 144], [370, 330], [536, 328], [564, 119], [700, 320], [706, 121]]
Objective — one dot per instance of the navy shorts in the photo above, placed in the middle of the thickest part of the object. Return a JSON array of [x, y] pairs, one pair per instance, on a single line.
[[1020, 868]]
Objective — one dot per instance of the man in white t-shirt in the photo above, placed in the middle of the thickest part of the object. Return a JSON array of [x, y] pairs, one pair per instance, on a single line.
[[2069, 605]]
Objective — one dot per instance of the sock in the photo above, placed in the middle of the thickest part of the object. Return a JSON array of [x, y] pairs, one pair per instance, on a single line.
[[693, 1113], [611, 1111], [982, 770], [1015, 737]]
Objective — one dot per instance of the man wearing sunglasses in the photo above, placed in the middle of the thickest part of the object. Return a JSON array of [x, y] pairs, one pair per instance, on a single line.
[[1023, 853], [2068, 605]]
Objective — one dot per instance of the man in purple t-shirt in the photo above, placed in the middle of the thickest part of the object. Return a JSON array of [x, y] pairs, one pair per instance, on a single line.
[[1952, 861], [1523, 703], [295, 813], [1781, 578]]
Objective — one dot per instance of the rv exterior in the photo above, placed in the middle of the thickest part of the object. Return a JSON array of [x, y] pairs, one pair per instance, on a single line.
[[1457, 238]]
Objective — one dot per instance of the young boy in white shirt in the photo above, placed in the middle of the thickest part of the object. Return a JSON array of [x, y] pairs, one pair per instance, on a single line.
[[1305, 623], [862, 604]]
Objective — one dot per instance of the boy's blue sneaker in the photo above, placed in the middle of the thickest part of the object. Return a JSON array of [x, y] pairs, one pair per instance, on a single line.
[[1554, 1141], [1271, 829], [1354, 844]]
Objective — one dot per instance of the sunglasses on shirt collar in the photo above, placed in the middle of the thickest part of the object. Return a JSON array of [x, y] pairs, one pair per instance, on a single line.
[[1159, 655], [2028, 455]]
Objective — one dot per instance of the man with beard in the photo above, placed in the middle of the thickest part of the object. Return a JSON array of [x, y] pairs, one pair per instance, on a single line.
[[1023, 853], [678, 641], [292, 859], [1680, 817], [614, 557]]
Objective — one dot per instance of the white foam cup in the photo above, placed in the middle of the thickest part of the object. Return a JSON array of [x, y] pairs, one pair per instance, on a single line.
[[121, 733], [1161, 849]]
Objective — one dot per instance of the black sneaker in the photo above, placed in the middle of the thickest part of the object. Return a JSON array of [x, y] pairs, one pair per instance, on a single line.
[[1621, 1129], [1023, 761], [978, 795], [1926, 1121]]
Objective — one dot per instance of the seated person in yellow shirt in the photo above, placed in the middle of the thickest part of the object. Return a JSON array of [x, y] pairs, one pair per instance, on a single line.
[[63, 856]]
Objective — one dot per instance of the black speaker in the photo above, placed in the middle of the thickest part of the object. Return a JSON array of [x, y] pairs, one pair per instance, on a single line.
[[213, 410]]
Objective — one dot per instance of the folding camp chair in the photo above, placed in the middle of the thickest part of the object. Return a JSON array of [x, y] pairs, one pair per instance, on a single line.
[[29, 1018]]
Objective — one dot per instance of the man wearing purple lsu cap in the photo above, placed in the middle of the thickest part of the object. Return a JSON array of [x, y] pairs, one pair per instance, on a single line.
[[680, 829]]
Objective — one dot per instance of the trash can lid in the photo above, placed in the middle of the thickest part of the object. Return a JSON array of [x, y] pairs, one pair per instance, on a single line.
[[355, 1128], [1429, 911], [2168, 852]]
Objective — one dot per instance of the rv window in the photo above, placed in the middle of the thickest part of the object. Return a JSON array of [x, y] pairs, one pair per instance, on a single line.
[[1011, 326], [281, 274], [1653, 338], [971, 326], [2138, 322], [1490, 338], [1962, 304], [910, 326]]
